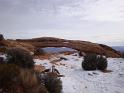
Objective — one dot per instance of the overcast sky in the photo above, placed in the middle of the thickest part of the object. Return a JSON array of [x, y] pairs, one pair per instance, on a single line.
[[99, 21]]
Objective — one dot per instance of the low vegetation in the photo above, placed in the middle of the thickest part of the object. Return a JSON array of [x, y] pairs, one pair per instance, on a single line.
[[93, 62], [30, 82], [102, 63], [52, 83], [17, 75], [90, 62], [20, 57], [13, 79], [9, 75]]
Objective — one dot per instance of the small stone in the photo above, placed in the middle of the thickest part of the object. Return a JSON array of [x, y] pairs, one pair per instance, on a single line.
[[120, 74], [95, 73], [90, 74]]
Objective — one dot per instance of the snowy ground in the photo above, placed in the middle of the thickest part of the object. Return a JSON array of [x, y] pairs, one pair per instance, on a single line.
[[77, 80]]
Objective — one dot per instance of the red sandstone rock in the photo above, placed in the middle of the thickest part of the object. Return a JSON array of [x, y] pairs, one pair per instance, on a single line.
[[84, 46]]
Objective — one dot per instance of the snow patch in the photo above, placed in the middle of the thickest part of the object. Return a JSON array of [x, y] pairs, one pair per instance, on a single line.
[[77, 80]]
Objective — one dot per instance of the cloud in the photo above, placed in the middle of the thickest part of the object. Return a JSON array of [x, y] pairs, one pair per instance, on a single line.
[[71, 19], [106, 10], [97, 10]]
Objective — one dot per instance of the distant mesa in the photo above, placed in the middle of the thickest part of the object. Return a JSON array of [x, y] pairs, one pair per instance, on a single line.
[[118, 48], [84, 46]]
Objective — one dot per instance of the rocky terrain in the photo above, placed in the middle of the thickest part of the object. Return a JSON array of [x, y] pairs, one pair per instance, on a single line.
[[74, 78], [32, 45]]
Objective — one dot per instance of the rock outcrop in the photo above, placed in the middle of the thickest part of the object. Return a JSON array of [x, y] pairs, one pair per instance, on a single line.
[[5, 44], [83, 46], [31, 45]]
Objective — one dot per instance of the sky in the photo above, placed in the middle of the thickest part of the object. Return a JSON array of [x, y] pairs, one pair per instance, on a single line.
[[99, 21]]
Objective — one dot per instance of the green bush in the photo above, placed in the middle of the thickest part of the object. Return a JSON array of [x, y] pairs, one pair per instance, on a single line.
[[93, 62], [90, 62], [20, 57], [52, 83], [102, 63]]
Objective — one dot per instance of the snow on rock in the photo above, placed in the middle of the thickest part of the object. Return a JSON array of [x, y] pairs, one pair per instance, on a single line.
[[44, 63], [77, 80]]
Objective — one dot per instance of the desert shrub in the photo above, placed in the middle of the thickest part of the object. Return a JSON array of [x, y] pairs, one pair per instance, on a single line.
[[30, 82], [52, 83], [28, 76], [16, 80], [93, 62], [38, 89], [90, 62], [9, 74], [101, 63], [20, 57]]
